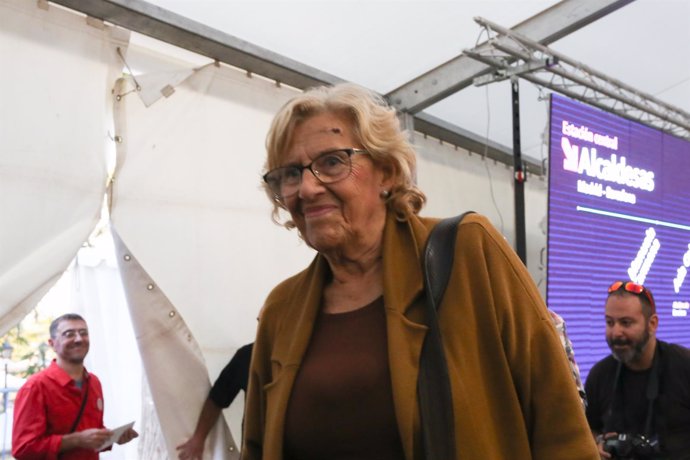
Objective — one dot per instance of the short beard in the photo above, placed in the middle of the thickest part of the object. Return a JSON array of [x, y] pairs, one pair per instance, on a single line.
[[632, 355]]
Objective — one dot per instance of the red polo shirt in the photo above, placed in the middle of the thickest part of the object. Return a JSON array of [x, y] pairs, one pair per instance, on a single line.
[[46, 408]]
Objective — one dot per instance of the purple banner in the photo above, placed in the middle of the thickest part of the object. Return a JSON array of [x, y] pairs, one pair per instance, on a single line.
[[619, 208]]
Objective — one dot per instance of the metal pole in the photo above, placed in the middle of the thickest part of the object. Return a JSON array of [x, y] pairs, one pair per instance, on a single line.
[[518, 175]]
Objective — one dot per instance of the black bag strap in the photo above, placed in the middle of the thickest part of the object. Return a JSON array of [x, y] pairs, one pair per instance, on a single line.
[[81, 409], [433, 384]]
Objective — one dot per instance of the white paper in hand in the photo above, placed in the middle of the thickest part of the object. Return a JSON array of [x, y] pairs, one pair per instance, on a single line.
[[117, 432]]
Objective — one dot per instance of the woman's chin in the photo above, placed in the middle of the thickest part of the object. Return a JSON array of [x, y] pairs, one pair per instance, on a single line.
[[323, 241], [322, 245]]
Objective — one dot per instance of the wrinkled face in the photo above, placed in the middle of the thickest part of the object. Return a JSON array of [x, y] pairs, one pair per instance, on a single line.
[[344, 214], [71, 341], [627, 330]]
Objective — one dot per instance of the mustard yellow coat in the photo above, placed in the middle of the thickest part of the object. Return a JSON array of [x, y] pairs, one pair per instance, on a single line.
[[514, 397]]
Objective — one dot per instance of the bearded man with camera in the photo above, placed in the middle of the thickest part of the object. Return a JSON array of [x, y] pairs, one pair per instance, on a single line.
[[639, 396]]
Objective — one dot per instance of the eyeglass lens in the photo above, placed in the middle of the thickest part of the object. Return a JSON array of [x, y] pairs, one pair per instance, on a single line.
[[328, 167]]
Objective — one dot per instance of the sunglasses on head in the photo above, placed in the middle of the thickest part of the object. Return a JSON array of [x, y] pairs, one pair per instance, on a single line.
[[633, 288]]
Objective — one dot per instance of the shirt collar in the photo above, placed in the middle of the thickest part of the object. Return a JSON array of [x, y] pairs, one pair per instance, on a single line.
[[58, 374]]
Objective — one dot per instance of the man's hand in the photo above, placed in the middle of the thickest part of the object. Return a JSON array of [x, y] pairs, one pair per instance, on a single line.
[[600, 444], [193, 449], [93, 438], [127, 436]]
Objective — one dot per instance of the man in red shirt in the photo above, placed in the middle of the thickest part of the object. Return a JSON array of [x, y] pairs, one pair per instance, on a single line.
[[59, 411]]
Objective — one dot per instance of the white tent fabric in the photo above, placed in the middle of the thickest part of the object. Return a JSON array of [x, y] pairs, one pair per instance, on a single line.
[[187, 201], [113, 356], [188, 208], [172, 361], [56, 76]]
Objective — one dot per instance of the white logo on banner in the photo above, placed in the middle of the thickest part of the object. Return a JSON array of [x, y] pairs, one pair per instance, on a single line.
[[645, 257]]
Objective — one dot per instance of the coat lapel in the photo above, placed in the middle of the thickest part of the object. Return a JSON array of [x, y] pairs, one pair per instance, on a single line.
[[403, 297], [306, 300], [302, 308]]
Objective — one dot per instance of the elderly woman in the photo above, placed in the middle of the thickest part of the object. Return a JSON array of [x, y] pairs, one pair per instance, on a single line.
[[336, 359]]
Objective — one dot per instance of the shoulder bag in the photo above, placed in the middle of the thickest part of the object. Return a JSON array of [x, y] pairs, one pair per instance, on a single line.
[[81, 408], [433, 384]]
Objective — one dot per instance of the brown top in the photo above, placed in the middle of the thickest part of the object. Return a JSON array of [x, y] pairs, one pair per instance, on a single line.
[[341, 406]]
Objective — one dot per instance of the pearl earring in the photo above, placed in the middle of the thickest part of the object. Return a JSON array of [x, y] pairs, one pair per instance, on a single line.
[[384, 194]]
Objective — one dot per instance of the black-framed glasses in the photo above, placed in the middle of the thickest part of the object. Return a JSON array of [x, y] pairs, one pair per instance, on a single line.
[[329, 167], [633, 288]]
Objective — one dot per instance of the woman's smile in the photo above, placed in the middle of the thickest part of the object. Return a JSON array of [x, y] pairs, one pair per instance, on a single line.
[[316, 211]]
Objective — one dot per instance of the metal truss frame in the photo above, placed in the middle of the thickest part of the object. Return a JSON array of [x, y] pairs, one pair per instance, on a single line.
[[511, 53], [556, 22]]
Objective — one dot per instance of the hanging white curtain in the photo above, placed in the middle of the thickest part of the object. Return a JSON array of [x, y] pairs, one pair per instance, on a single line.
[[54, 117], [196, 246], [55, 133], [99, 297]]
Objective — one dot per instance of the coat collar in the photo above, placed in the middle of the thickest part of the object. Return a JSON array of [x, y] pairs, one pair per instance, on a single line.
[[403, 243], [403, 296]]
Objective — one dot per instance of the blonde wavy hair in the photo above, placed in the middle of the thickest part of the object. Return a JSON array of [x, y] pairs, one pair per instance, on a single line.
[[375, 126]]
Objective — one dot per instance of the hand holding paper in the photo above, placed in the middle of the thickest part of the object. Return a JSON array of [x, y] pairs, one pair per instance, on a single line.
[[121, 435]]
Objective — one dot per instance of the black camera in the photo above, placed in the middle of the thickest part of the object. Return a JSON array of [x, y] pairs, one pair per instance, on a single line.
[[632, 447]]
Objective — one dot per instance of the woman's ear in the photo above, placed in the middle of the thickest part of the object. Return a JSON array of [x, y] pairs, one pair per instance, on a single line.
[[387, 176]]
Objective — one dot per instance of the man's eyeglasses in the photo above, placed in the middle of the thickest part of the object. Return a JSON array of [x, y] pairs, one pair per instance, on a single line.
[[329, 167], [72, 333], [633, 288]]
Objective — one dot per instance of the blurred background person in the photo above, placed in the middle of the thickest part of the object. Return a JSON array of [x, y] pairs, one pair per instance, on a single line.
[[639, 396], [58, 412]]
